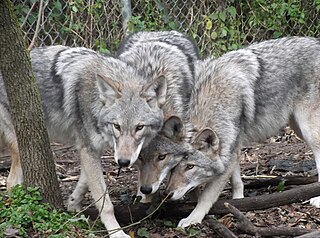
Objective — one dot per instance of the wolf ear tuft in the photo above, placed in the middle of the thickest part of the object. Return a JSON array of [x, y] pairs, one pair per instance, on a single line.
[[173, 128], [109, 89], [155, 91], [207, 140]]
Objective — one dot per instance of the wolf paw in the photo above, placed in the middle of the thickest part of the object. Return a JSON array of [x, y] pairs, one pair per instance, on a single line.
[[315, 202], [119, 234], [73, 205], [188, 221]]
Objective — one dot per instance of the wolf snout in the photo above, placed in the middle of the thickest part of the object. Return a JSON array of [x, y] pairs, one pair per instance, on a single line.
[[123, 162], [146, 189]]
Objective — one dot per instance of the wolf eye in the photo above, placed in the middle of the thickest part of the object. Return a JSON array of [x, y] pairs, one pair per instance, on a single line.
[[190, 166], [116, 126], [185, 156], [139, 127], [140, 157], [161, 157]]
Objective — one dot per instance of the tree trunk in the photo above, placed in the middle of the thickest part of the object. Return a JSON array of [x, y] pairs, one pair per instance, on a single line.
[[26, 112]]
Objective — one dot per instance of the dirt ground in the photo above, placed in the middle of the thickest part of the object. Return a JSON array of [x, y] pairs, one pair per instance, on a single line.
[[281, 155]]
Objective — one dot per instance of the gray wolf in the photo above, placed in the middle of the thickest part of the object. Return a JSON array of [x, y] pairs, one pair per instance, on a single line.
[[244, 96], [83, 96], [171, 54], [168, 55], [165, 59], [162, 154]]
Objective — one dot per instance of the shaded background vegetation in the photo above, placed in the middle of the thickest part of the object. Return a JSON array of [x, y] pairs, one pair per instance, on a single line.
[[217, 26]]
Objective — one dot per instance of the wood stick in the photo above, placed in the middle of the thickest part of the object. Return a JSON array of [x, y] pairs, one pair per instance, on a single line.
[[220, 229], [247, 226], [183, 209]]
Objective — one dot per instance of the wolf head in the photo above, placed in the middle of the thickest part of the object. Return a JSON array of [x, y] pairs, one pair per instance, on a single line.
[[131, 115], [199, 167], [163, 153]]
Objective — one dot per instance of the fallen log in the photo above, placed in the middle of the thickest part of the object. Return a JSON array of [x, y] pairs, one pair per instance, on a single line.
[[314, 234], [129, 213], [288, 180], [220, 229], [248, 227]]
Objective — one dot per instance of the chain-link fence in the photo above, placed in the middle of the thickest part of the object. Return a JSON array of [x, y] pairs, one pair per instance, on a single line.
[[217, 26]]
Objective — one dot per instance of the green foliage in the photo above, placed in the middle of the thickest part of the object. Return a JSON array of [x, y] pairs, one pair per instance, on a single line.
[[280, 186], [216, 29], [168, 223], [152, 17], [222, 30], [23, 214], [191, 231], [143, 232], [244, 22], [67, 22]]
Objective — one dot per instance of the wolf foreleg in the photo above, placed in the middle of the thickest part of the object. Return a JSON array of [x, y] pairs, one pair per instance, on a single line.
[[208, 197], [93, 170], [75, 199]]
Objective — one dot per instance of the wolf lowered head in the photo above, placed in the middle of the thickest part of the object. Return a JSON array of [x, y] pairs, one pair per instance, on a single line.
[[200, 167], [162, 154], [132, 114]]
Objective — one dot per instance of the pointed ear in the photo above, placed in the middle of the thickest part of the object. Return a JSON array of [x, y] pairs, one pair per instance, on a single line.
[[173, 128], [206, 140], [109, 89], [155, 91]]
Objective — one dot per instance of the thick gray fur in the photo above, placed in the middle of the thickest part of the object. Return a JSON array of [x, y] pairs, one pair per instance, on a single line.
[[244, 96], [83, 94], [168, 53]]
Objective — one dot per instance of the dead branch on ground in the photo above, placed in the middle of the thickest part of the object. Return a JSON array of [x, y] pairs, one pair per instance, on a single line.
[[248, 227], [183, 209]]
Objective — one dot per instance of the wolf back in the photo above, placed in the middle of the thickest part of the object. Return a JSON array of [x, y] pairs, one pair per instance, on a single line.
[[168, 53], [174, 38]]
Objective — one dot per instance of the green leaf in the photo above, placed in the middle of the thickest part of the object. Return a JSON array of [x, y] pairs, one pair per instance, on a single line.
[[222, 16], [172, 25], [277, 34], [169, 223], [213, 16], [143, 232], [193, 231], [233, 11], [214, 35], [223, 33], [74, 8], [58, 5], [209, 25], [280, 186]]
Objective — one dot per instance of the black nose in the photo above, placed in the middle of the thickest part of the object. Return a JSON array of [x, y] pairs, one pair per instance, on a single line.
[[145, 189], [123, 162]]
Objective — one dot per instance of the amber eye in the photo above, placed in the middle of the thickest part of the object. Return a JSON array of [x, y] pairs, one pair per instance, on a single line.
[[140, 127], [116, 126], [190, 166], [161, 157]]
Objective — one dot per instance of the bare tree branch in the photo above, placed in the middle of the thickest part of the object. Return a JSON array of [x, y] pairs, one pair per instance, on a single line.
[[220, 229], [183, 209], [126, 14], [247, 226], [35, 36]]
